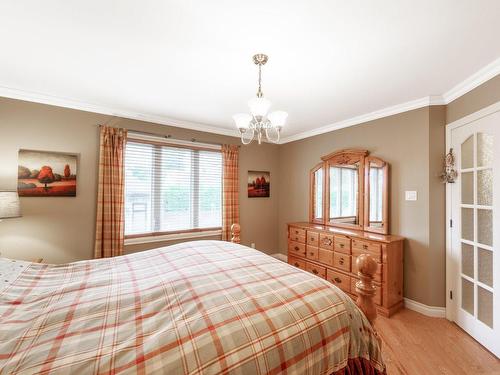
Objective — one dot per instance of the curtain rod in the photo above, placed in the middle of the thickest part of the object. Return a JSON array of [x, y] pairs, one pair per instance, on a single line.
[[169, 136]]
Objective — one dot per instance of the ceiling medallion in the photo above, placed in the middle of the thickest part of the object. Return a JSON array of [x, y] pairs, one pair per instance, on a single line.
[[258, 123]]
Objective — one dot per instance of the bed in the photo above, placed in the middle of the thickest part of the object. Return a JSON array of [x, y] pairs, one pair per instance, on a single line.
[[204, 307]]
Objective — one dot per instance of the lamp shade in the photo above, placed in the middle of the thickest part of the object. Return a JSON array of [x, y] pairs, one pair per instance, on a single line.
[[278, 118], [242, 120], [259, 106], [9, 205]]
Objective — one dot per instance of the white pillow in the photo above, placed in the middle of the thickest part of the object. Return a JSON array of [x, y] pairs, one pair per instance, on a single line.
[[10, 270]]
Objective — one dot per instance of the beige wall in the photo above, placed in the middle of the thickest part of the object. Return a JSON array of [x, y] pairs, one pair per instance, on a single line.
[[61, 229], [436, 261], [403, 141]]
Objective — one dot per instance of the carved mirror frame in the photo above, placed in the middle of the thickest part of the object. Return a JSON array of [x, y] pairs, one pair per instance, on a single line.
[[343, 158]]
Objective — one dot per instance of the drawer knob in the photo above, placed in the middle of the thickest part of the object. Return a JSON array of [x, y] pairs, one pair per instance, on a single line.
[[296, 248], [327, 241], [311, 253], [296, 264], [365, 247], [296, 232], [341, 261], [315, 271], [341, 245], [337, 280]]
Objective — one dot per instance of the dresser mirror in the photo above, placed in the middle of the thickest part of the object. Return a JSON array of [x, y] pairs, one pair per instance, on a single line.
[[376, 198], [317, 183], [344, 188], [349, 189], [344, 195]]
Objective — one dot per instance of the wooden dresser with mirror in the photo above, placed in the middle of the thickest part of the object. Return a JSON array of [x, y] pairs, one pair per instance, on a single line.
[[349, 216]]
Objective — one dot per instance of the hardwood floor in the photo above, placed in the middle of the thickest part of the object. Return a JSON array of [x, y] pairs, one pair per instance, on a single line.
[[415, 344]]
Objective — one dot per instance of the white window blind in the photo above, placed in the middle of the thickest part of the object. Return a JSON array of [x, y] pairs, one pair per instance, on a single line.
[[171, 189]]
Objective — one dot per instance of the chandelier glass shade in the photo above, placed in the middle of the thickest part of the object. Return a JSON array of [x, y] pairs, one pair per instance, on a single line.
[[258, 123]]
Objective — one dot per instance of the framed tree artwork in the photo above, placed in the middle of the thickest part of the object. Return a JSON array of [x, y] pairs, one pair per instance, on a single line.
[[46, 174], [259, 184]]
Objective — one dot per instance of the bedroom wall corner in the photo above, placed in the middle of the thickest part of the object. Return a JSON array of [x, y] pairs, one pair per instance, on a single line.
[[437, 208]]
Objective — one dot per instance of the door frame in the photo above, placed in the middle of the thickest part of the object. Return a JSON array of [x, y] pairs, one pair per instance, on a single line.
[[451, 269]]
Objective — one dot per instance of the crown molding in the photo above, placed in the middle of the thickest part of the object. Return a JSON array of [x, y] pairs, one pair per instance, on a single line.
[[11, 93], [385, 112], [488, 72], [485, 74], [437, 100]]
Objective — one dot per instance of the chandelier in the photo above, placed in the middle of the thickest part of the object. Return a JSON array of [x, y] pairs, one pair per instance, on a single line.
[[258, 123]]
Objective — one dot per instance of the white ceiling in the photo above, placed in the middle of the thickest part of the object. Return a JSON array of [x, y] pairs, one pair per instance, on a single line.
[[189, 63]]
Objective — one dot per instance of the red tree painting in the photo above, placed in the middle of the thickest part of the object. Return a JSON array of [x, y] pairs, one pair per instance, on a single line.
[[259, 184], [67, 171], [46, 176], [42, 173]]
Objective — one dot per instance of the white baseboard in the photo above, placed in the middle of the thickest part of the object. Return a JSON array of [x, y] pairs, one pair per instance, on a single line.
[[280, 256], [432, 311]]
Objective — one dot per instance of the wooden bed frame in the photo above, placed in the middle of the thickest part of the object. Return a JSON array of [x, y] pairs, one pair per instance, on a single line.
[[365, 288]]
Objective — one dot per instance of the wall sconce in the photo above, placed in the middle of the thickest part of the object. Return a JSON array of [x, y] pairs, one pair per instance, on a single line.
[[449, 173]]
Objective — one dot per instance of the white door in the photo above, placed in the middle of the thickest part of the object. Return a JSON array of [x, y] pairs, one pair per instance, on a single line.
[[474, 237]]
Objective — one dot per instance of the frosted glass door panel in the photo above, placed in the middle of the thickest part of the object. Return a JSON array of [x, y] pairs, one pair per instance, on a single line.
[[474, 300]]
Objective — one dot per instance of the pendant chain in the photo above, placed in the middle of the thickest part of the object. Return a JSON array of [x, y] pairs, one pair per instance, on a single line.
[[259, 93]]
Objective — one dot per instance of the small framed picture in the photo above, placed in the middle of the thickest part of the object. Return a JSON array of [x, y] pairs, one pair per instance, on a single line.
[[259, 184]]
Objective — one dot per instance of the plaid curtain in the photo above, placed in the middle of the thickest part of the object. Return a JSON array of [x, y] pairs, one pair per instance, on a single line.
[[230, 188], [109, 235]]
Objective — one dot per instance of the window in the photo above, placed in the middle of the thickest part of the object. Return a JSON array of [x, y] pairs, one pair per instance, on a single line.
[[171, 188]]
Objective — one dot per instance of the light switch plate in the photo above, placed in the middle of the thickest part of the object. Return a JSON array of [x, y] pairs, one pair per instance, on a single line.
[[410, 195]]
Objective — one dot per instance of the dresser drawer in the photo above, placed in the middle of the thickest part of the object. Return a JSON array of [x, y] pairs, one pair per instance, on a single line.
[[297, 249], [342, 244], [373, 248], [377, 298], [340, 280], [297, 262], [312, 252], [325, 256], [326, 241], [297, 232], [317, 270], [312, 238], [297, 238], [378, 274], [342, 261]]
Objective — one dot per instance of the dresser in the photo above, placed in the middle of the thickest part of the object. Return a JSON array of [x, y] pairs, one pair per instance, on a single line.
[[331, 253]]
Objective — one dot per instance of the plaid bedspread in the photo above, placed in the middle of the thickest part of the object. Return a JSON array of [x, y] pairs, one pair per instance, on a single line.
[[204, 307]]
